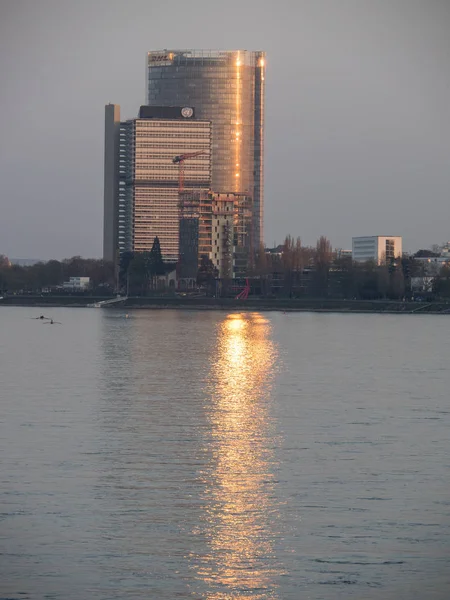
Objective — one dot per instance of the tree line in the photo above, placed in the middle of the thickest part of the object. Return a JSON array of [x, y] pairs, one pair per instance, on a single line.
[[305, 271], [53, 273], [292, 270]]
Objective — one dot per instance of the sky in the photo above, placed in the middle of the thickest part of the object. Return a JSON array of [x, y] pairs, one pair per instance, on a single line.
[[357, 112]]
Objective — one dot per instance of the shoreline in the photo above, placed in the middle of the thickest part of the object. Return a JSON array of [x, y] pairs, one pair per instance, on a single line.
[[226, 304]]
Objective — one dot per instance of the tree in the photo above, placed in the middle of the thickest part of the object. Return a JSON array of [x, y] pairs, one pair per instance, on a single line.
[[426, 253], [156, 264], [397, 285], [207, 274], [366, 280], [124, 264], [4, 262], [261, 268], [294, 259], [345, 272], [323, 251], [383, 280], [53, 273], [410, 268], [322, 263], [441, 284], [138, 273], [260, 262]]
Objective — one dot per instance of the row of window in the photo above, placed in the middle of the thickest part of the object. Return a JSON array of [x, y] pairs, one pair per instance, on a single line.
[[165, 154], [181, 124], [158, 134], [144, 162]]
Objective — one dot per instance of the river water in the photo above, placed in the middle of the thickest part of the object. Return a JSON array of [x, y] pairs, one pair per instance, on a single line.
[[180, 454]]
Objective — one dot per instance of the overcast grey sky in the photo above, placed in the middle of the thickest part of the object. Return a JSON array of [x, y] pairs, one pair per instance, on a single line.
[[357, 121]]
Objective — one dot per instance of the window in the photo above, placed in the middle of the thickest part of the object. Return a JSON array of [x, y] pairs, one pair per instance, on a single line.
[[390, 249]]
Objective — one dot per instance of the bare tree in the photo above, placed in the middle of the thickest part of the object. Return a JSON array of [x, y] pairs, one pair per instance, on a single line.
[[322, 262], [4, 262]]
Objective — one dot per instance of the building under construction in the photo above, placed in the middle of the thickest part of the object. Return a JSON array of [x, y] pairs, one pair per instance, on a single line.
[[218, 226]]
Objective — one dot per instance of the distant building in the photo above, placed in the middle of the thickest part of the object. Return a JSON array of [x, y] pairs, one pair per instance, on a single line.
[[380, 249], [167, 281], [422, 284], [341, 253], [275, 251], [445, 250], [433, 264], [77, 283], [111, 184], [141, 180]]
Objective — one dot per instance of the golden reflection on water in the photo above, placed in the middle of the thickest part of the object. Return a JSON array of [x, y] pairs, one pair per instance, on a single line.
[[240, 509]]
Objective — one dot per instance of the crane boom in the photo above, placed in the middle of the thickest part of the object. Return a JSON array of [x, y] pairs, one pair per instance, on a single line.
[[183, 157], [180, 161]]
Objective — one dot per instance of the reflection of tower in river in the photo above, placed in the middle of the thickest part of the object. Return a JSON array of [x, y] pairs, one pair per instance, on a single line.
[[240, 505]]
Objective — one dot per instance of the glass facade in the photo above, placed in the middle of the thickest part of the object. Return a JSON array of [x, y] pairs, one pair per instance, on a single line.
[[226, 88]]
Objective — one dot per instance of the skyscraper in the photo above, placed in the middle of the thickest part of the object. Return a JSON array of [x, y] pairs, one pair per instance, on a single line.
[[111, 185], [142, 179], [227, 89]]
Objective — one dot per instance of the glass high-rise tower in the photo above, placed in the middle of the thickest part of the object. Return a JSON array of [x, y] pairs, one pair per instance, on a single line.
[[226, 88]]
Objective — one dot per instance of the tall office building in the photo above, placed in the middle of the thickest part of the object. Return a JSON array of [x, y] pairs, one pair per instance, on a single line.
[[226, 88], [142, 180], [111, 183]]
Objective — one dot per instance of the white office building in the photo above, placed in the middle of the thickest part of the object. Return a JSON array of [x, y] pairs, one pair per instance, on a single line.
[[381, 249], [77, 283]]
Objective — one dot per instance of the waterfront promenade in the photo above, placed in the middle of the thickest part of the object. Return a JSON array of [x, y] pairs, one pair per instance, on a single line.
[[250, 304]]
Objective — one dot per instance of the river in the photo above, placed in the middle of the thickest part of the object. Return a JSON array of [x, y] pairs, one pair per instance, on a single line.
[[223, 455]]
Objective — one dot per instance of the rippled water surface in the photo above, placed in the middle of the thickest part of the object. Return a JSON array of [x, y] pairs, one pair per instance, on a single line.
[[182, 454]]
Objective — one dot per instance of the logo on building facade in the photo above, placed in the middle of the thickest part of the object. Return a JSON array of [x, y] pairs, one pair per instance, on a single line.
[[158, 58], [187, 112]]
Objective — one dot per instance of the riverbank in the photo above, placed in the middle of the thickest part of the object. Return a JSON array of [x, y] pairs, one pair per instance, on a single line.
[[251, 304]]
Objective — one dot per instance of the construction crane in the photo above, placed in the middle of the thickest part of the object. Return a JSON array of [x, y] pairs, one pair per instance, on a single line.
[[180, 161]]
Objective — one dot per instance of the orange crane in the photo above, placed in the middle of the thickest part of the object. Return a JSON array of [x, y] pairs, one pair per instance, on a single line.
[[180, 161]]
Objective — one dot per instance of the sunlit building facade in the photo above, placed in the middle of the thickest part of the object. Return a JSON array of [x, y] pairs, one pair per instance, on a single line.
[[218, 227], [231, 234], [377, 248], [227, 89], [142, 185]]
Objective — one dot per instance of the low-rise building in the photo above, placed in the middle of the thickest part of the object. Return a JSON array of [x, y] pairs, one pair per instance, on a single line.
[[445, 250], [380, 249], [433, 264], [167, 281], [77, 283], [342, 253], [422, 284]]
